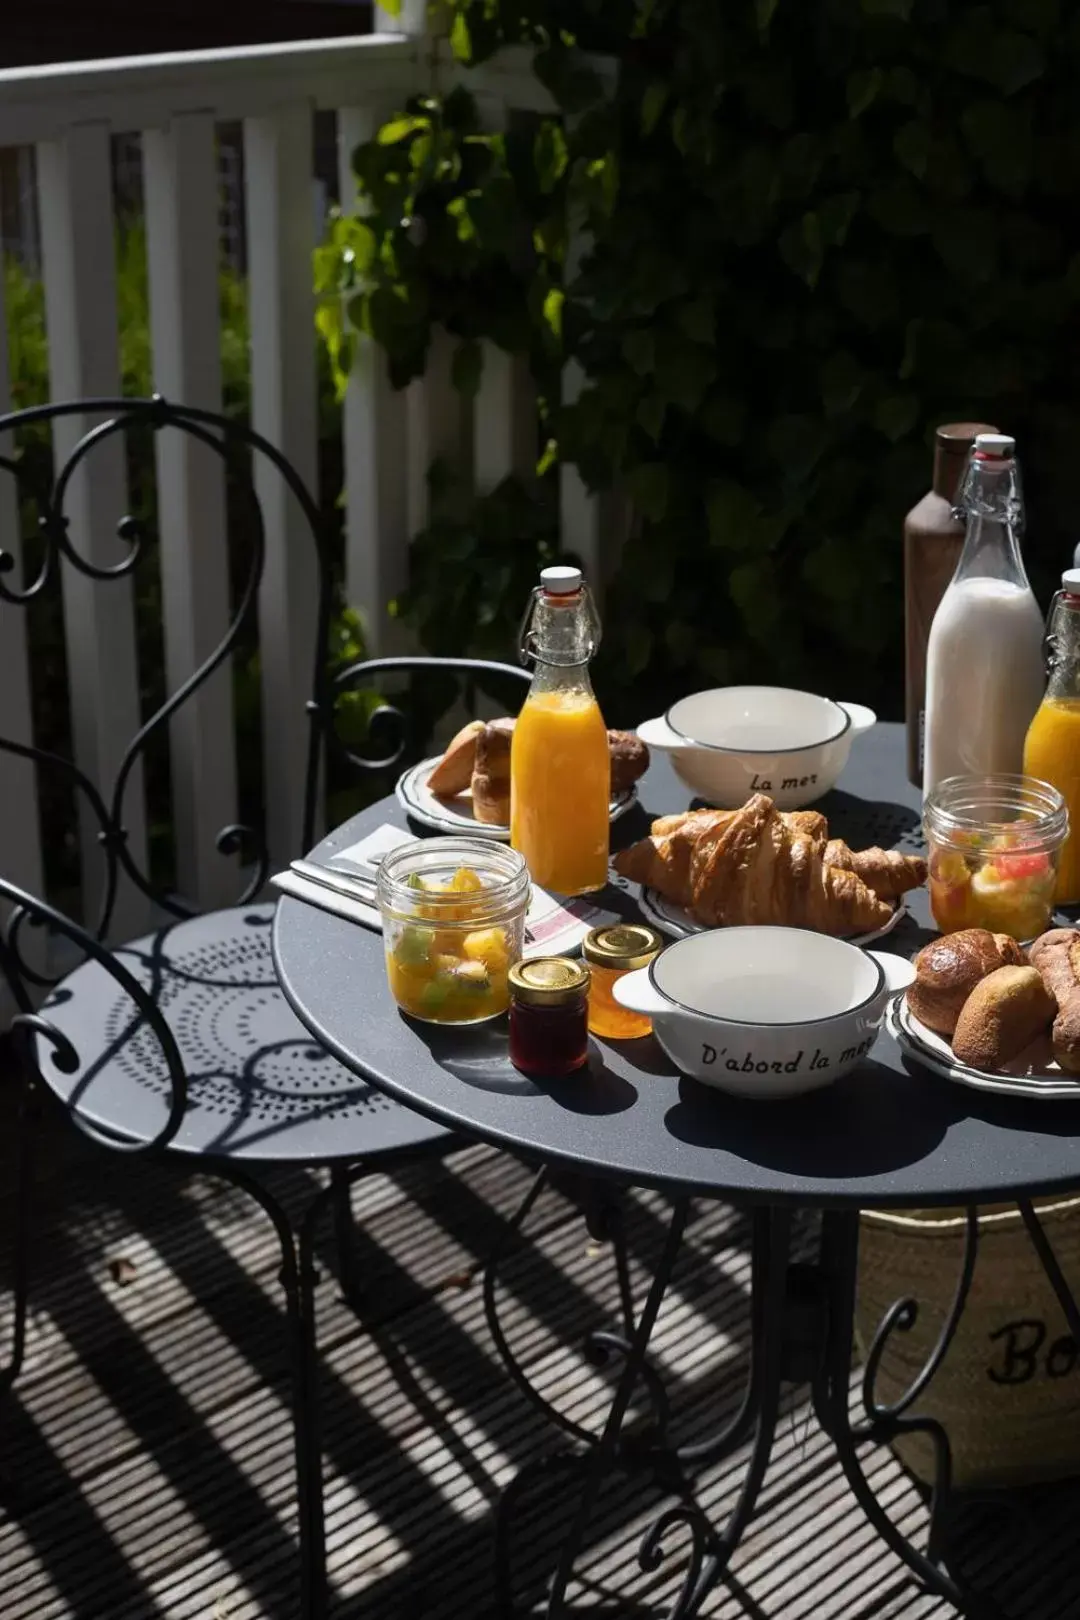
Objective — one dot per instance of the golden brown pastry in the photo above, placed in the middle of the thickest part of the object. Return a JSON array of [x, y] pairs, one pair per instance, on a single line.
[[1056, 956], [749, 866], [629, 760], [453, 773], [889, 873], [948, 969], [809, 822], [1002, 1015], [491, 773], [663, 862]]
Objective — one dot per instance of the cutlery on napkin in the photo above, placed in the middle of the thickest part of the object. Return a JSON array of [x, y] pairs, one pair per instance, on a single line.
[[345, 886], [356, 903]]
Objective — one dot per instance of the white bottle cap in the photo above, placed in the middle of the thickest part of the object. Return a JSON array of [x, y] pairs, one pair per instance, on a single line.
[[995, 444], [1070, 581], [560, 581]]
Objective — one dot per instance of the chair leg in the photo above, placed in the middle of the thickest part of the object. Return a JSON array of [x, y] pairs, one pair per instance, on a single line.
[[341, 1182], [298, 1278], [25, 1130]]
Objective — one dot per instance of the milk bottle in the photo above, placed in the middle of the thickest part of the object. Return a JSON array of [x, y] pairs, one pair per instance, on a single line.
[[984, 664]]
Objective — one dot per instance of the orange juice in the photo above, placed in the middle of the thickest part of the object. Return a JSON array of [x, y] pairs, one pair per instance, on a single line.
[[1052, 753], [560, 790]]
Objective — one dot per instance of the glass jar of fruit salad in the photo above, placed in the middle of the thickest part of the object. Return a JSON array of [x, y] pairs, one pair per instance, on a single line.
[[453, 912], [995, 843]]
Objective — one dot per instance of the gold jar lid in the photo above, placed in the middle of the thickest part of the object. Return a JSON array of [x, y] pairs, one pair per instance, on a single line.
[[548, 981], [622, 947]]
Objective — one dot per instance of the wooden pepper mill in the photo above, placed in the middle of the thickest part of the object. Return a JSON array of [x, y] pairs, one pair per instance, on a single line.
[[933, 539]]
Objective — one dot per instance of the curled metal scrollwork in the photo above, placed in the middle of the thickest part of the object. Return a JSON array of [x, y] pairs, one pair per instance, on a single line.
[[237, 839], [387, 718], [901, 1318], [64, 1054], [29, 1026], [226, 438], [601, 1349], [887, 1420], [652, 1550]]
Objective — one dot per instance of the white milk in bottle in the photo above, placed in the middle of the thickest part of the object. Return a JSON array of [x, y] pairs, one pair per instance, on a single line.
[[984, 660]]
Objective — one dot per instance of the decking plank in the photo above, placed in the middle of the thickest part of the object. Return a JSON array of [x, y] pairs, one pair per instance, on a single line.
[[147, 1456]]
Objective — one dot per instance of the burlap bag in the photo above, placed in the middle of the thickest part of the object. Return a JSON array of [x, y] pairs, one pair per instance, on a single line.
[[1008, 1390]]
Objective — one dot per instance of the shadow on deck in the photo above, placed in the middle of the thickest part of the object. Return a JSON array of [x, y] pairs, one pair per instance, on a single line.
[[146, 1467]]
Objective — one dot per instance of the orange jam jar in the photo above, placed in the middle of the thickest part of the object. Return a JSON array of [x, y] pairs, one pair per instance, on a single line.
[[611, 952]]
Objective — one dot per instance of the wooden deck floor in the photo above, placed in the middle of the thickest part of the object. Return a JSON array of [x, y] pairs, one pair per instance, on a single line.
[[145, 1460]]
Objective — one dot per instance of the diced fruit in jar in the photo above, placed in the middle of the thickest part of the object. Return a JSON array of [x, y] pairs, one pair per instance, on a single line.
[[415, 946], [464, 881], [1022, 866], [948, 866], [950, 890], [451, 974], [1011, 905], [949, 904], [1001, 887], [489, 946]]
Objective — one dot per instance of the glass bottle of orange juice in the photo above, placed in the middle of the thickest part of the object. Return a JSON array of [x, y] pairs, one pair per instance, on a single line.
[[560, 766], [1052, 749]]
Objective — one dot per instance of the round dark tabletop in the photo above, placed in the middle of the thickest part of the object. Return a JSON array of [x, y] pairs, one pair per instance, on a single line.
[[890, 1133]]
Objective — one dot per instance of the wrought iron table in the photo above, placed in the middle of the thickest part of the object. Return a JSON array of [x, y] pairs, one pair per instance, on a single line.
[[889, 1134]]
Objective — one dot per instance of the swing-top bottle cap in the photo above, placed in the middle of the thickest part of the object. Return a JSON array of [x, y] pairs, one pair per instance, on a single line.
[[995, 446], [560, 581], [1070, 582]]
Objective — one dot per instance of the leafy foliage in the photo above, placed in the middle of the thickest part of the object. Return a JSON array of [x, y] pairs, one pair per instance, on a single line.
[[805, 235]]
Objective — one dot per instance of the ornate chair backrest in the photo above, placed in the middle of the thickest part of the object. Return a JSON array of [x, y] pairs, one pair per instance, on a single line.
[[48, 493], [47, 490]]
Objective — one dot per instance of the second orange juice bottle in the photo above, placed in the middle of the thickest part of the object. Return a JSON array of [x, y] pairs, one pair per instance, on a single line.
[[560, 766], [1052, 749]]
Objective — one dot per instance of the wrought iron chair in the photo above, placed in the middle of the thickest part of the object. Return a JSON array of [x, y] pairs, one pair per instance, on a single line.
[[181, 1042]]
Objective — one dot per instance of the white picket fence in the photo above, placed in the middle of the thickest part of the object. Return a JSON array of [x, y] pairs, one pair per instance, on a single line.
[[69, 114]]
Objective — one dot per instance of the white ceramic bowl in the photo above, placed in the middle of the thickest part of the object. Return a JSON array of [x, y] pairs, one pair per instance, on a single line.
[[765, 1012], [737, 740]]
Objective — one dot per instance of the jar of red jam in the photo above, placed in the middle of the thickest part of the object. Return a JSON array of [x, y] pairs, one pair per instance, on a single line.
[[549, 1016]]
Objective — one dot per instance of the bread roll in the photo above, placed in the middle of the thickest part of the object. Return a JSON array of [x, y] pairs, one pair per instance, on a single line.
[[491, 774], [1002, 1015], [948, 969], [629, 760], [1056, 955], [454, 771]]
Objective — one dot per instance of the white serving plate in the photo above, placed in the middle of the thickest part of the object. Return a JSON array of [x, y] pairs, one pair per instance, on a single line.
[[456, 815], [1033, 1074], [672, 919]]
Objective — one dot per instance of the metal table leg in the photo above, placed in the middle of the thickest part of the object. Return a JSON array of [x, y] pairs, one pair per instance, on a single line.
[[802, 1320], [600, 1348], [603, 1453], [299, 1277]]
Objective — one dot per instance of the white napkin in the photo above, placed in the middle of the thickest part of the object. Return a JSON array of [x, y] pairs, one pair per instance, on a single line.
[[555, 927]]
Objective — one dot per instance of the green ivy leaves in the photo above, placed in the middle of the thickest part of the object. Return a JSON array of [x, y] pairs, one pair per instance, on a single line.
[[776, 264]]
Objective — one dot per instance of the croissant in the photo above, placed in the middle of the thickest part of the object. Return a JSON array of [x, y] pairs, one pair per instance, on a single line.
[[751, 866], [810, 822], [889, 873]]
